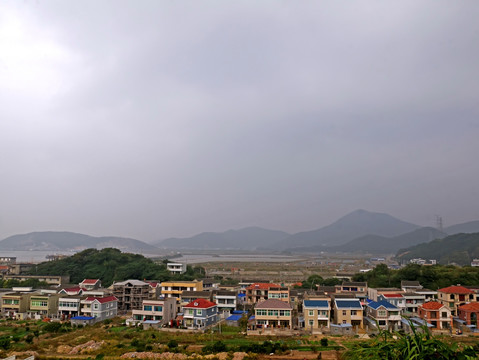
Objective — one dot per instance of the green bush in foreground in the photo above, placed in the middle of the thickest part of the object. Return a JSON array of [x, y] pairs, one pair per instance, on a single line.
[[417, 346]]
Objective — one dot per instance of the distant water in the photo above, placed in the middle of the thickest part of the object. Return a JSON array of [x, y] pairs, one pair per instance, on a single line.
[[40, 256]]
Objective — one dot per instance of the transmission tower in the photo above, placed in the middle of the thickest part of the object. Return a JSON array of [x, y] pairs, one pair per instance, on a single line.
[[439, 223]]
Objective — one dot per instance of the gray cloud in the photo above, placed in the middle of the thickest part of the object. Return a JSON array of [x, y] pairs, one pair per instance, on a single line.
[[167, 119]]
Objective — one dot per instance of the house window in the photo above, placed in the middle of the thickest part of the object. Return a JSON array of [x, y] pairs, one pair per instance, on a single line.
[[311, 312], [382, 313], [199, 312], [344, 312], [284, 312], [353, 312], [311, 323], [95, 307], [158, 308], [261, 312], [444, 314], [147, 307]]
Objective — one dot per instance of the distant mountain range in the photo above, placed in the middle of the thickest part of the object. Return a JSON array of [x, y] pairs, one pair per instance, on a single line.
[[250, 238], [358, 231], [459, 248], [65, 241]]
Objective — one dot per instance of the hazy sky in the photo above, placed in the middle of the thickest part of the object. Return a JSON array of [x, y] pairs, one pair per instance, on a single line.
[[151, 119]]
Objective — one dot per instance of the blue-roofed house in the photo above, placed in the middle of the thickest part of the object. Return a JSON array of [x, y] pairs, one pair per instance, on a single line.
[[316, 313], [384, 314], [348, 311]]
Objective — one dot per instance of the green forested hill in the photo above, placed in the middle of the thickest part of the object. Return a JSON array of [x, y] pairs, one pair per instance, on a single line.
[[460, 249], [108, 265]]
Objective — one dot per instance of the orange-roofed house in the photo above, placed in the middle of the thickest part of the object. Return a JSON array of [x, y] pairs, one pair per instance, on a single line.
[[90, 284], [436, 314], [200, 313], [258, 292], [469, 313], [455, 296]]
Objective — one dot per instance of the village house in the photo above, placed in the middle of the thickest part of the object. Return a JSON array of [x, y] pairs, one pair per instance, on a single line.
[[455, 296], [42, 305], [280, 293], [226, 302], [90, 284], [176, 268], [316, 313], [273, 313], [76, 290], [160, 310], [436, 314], [99, 308], [348, 311], [155, 289], [469, 313], [68, 307], [413, 301], [175, 288], [410, 286], [14, 304], [199, 314], [259, 292], [397, 300], [188, 296], [383, 314]]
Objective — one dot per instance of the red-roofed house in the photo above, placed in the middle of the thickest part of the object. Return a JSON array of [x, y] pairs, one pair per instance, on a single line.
[[77, 290], [199, 314], [100, 308], [90, 284], [469, 313], [436, 314], [396, 299], [455, 296], [258, 292]]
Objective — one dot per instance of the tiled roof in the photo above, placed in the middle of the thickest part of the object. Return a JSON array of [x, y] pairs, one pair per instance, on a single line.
[[273, 304], [409, 283], [132, 282], [102, 300], [432, 305], [474, 306], [348, 304], [153, 284], [200, 304], [392, 295], [75, 289], [316, 303], [90, 281], [377, 304], [456, 289], [262, 286]]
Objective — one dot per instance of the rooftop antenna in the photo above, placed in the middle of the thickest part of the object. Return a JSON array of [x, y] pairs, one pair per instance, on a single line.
[[439, 223]]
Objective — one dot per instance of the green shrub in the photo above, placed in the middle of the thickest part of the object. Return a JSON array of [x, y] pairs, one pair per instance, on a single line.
[[324, 342]]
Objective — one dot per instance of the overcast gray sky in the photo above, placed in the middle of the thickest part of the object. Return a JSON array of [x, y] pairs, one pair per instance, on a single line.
[[151, 119]]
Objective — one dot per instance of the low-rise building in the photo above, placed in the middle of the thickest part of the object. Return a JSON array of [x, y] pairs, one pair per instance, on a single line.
[[161, 310], [413, 301], [199, 314], [130, 294], [176, 268], [384, 314], [316, 313], [436, 314], [99, 308], [90, 284], [273, 313], [14, 304], [175, 288], [469, 313], [226, 302], [258, 292], [42, 305], [348, 311], [455, 296], [69, 306]]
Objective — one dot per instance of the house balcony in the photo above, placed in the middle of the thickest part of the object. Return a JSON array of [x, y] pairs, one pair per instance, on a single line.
[[323, 317]]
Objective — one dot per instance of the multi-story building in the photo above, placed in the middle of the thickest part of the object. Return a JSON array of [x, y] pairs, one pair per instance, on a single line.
[[384, 314], [226, 302], [469, 313], [188, 296], [14, 304], [99, 308], [410, 286], [413, 301], [436, 314], [316, 313], [348, 311], [161, 310], [397, 300], [42, 305], [69, 306], [281, 293], [455, 296], [176, 268], [259, 292], [199, 314], [175, 288], [273, 313], [131, 294]]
